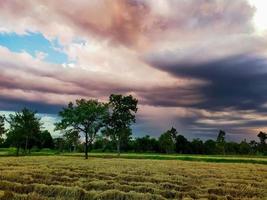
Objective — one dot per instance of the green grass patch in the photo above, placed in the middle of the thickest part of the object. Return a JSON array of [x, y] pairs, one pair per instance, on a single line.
[[216, 159], [151, 156]]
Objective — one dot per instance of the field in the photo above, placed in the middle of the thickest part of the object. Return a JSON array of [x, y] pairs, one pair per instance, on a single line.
[[72, 177]]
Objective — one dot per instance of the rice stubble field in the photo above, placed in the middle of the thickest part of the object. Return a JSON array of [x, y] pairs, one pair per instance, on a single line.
[[65, 177]]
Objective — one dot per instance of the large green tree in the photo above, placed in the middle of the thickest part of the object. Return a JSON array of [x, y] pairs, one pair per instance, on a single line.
[[122, 111], [86, 117], [2, 128], [25, 128]]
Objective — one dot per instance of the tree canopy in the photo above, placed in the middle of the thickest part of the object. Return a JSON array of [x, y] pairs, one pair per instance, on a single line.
[[25, 128], [86, 117], [122, 111]]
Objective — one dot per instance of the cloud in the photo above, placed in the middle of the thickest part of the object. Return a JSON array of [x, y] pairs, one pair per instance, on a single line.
[[128, 22], [190, 64], [26, 78], [232, 82]]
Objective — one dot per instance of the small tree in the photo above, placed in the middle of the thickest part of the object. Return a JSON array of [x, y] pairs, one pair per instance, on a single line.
[[86, 117], [253, 146], [167, 141], [182, 145], [197, 146], [221, 141], [46, 140], [72, 139], [2, 128], [262, 146], [262, 136], [25, 128], [210, 147], [121, 116], [244, 147]]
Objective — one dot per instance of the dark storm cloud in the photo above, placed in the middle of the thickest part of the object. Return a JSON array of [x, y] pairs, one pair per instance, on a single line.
[[16, 105], [238, 81]]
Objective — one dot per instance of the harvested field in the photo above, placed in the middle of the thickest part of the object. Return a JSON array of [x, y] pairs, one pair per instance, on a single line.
[[62, 177]]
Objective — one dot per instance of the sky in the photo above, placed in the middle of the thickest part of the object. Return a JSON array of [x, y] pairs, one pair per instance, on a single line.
[[197, 65]]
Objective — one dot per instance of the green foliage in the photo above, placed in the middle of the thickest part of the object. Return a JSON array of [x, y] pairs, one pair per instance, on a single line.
[[86, 117], [167, 141], [182, 145], [114, 119], [210, 147], [59, 144], [121, 116], [46, 140], [221, 141], [262, 146], [146, 144], [72, 139], [262, 136], [2, 129], [197, 146], [25, 129], [244, 147], [221, 137]]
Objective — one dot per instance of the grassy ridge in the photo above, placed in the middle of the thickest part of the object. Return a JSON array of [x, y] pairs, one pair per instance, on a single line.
[[217, 159], [186, 158], [203, 158]]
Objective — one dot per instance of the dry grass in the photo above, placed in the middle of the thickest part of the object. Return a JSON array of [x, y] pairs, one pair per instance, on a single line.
[[59, 177]]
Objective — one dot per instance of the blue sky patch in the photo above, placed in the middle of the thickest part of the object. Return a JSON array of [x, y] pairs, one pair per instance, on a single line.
[[33, 43]]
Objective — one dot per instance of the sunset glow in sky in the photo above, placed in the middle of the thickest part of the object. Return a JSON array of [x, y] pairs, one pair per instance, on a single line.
[[197, 65]]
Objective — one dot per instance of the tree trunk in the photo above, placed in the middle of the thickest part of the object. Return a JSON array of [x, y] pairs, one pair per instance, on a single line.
[[86, 145], [118, 147]]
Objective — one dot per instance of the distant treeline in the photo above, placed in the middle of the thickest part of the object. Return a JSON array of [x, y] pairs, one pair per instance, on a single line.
[[168, 142], [90, 125]]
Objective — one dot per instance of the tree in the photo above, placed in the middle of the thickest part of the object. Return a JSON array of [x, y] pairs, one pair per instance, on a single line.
[[244, 147], [221, 141], [253, 146], [59, 143], [86, 117], [197, 146], [182, 145], [210, 147], [121, 116], [262, 136], [46, 140], [146, 144], [228, 148], [167, 142], [2, 128], [25, 128], [262, 146], [72, 138]]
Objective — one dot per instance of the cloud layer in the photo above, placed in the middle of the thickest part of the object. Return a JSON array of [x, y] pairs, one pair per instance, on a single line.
[[198, 65]]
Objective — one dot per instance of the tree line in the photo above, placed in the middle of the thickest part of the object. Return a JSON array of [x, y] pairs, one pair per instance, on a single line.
[[91, 125], [82, 118]]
